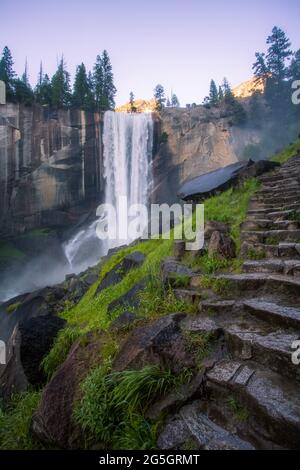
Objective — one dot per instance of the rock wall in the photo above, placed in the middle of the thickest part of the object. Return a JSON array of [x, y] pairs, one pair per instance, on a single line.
[[51, 161], [191, 142], [50, 166]]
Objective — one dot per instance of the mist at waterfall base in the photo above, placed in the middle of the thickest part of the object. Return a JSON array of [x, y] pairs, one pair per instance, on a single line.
[[127, 155]]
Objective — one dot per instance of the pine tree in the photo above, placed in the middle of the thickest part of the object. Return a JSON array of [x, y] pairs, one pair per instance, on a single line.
[[43, 88], [41, 75], [278, 52], [233, 106], [109, 89], [168, 103], [294, 69], [45, 91], [174, 101], [90, 99], [256, 110], [7, 74], [82, 91], [159, 95], [132, 108], [61, 91], [98, 80], [105, 89], [220, 94], [260, 69], [226, 89], [23, 90], [213, 93]]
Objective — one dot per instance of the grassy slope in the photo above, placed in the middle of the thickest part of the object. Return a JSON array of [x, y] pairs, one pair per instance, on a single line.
[[91, 312]]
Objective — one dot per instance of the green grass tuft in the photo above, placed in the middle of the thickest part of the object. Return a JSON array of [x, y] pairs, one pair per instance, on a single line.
[[112, 410], [199, 345], [60, 350], [12, 307], [239, 411], [288, 152], [15, 423]]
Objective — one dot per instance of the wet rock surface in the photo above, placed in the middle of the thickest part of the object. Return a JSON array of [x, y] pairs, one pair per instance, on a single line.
[[134, 260], [160, 342], [221, 245], [53, 422]]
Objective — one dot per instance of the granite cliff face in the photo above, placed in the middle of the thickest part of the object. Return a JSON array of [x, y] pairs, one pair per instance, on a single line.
[[50, 166], [191, 142]]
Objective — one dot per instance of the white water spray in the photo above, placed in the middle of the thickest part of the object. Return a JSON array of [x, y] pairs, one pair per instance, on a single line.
[[127, 152]]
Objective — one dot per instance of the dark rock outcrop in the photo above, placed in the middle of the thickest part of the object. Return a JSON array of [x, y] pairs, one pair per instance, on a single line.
[[131, 261], [130, 299], [53, 422], [203, 186], [30, 342], [221, 245], [173, 272], [160, 342], [123, 321]]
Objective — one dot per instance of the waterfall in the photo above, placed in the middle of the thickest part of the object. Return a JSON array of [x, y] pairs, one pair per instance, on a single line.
[[127, 153], [127, 141]]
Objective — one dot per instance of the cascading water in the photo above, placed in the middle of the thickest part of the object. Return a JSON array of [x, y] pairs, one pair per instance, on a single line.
[[127, 152], [127, 141]]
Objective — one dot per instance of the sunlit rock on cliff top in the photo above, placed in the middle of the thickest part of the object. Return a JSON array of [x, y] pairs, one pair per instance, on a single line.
[[141, 106], [248, 88]]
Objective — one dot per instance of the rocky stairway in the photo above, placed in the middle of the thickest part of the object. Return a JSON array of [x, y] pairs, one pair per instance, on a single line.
[[252, 394]]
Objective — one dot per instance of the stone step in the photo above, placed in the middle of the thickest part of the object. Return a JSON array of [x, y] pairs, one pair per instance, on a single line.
[[264, 266], [218, 306], [190, 296], [286, 184], [271, 237], [271, 312], [273, 180], [273, 402], [260, 250], [277, 199], [269, 224], [277, 191], [290, 267], [274, 313], [279, 188], [191, 424], [287, 214], [251, 339], [207, 434], [247, 283], [269, 208], [259, 213]]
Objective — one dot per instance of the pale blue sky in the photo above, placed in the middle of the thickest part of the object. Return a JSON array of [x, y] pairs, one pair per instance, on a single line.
[[179, 43]]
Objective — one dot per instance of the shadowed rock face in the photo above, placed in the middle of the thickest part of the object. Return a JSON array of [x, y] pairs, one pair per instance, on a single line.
[[50, 164]]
